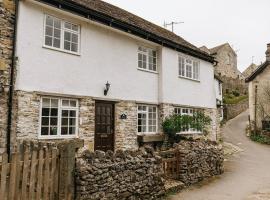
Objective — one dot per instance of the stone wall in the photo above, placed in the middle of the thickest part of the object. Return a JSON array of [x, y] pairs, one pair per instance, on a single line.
[[7, 12], [126, 129], [232, 110], [198, 160], [120, 175]]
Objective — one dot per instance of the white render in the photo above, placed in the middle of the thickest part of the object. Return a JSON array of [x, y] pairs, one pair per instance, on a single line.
[[105, 55]]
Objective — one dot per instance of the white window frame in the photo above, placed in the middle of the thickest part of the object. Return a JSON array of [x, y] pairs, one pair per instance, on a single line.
[[190, 112], [59, 118], [147, 119], [62, 21], [184, 63], [148, 49]]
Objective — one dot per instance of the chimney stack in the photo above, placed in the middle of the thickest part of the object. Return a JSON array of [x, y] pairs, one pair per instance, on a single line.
[[267, 53]]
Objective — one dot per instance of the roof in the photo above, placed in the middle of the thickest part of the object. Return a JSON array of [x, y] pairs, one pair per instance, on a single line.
[[249, 70], [217, 48], [259, 70], [116, 17]]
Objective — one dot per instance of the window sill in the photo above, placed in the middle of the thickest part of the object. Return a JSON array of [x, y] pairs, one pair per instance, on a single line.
[[191, 79], [189, 133], [145, 70], [61, 50], [51, 137]]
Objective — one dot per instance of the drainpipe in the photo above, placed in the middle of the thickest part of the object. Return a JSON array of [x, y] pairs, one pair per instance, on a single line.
[[11, 83]]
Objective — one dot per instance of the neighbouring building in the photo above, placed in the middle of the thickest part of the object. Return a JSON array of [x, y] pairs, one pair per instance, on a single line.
[[259, 94], [87, 69], [249, 70], [226, 68]]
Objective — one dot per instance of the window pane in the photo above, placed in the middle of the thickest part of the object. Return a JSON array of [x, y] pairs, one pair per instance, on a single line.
[[67, 25], [45, 121], [45, 131], [57, 23], [57, 33], [56, 43], [67, 45], [53, 121], [45, 111], [48, 41], [67, 36], [54, 112], [53, 130], [49, 31], [64, 121], [75, 27], [72, 130], [73, 103], [49, 20], [74, 47], [72, 121], [65, 113], [72, 113], [64, 130], [75, 38]]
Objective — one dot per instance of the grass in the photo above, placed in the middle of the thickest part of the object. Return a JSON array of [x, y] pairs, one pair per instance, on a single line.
[[260, 138], [230, 99]]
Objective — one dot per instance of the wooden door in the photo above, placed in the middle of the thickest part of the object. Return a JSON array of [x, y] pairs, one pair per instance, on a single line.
[[104, 126]]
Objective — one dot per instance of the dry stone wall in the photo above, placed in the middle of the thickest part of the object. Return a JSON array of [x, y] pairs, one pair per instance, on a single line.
[[232, 110], [120, 175], [199, 160]]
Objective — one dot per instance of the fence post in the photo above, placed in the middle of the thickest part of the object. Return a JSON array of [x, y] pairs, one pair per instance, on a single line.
[[67, 152]]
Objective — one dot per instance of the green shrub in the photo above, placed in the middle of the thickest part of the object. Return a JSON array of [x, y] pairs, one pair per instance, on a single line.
[[177, 123], [260, 138]]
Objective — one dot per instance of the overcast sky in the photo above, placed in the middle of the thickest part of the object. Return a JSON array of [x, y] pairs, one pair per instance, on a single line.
[[245, 24]]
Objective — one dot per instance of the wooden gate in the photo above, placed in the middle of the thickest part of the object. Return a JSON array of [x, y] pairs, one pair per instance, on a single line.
[[40, 173]]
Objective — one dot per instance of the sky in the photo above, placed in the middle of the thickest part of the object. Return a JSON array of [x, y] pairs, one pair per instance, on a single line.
[[244, 24]]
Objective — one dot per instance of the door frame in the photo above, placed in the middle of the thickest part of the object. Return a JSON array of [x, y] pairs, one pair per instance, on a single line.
[[113, 120]]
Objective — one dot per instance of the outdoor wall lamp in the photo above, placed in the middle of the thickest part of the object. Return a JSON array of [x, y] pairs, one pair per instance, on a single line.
[[107, 87]]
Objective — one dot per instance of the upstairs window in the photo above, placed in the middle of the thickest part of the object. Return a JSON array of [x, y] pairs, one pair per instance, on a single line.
[[61, 35], [147, 59], [188, 68]]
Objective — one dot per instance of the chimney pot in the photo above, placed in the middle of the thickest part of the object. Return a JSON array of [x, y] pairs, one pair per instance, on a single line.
[[267, 53]]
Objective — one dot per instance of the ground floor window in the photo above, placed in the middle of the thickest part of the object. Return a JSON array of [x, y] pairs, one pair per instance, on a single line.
[[147, 119], [187, 111], [58, 117]]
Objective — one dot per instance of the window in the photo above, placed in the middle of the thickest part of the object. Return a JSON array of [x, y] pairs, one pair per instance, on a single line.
[[186, 111], [189, 68], [219, 88], [147, 59], [61, 35], [58, 117], [147, 119]]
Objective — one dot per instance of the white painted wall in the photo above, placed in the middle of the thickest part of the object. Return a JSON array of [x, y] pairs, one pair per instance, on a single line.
[[184, 91], [218, 94], [106, 55]]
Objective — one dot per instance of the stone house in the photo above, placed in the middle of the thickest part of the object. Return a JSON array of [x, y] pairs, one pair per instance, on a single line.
[[259, 94], [87, 69], [249, 70]]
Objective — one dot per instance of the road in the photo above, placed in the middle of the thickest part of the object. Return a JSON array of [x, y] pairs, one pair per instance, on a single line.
[[247, 174]]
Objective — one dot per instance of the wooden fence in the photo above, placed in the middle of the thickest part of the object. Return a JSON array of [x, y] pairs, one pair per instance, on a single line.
[[43, 173], [170, 164]]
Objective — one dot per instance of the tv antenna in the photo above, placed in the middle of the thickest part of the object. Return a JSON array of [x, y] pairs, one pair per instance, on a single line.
[[171, 24]]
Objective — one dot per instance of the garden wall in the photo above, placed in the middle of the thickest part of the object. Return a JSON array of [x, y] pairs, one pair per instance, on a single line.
[[232, 110], [199, 160], [121, 175]]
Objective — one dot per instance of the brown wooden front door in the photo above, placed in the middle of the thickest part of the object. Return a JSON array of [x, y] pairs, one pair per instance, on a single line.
[[104, 126]]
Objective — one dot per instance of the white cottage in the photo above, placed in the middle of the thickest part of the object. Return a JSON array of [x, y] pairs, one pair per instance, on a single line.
[[87, 69]]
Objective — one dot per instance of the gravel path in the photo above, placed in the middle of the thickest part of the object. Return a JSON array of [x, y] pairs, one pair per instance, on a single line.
[[247, 173]]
